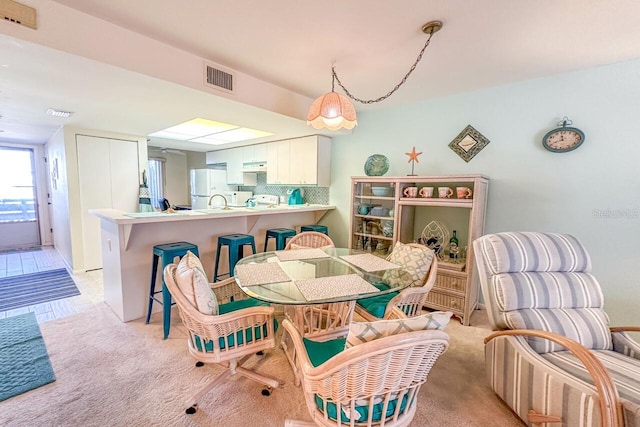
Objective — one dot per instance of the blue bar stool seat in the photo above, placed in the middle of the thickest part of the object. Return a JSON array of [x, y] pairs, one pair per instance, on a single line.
[[167, 252], [315, 227], [235, 243], [281, 235]]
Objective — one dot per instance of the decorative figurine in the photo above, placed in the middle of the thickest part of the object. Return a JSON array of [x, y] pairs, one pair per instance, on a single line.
[[413, 159]]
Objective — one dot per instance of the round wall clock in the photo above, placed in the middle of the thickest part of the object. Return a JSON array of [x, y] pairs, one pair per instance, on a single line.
[[564, 138]]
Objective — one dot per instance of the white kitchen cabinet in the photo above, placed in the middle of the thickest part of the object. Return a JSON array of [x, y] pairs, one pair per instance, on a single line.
[[216, 157], [108, 177], [278, 162], [303, 161], [254, 153], [232, 160], [234, 166]]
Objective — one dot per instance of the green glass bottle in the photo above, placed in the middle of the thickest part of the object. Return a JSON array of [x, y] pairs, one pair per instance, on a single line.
[[453, 246]]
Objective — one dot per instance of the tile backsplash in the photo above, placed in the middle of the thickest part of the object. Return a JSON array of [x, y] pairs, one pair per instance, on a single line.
[[316, 195]]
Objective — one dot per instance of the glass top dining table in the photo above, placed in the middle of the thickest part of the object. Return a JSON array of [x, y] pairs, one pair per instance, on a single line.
[[318, 275]]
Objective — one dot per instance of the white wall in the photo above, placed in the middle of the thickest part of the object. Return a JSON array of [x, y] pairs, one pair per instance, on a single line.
[[591, 192], [60, 198], [67, 218]]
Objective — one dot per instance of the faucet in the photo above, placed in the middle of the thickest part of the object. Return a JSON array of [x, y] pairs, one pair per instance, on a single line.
[[223, 198]]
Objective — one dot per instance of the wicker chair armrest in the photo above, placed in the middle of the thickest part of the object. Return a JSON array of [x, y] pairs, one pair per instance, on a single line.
[[610, 406], [394, 313], [249, 314], [227, 290]]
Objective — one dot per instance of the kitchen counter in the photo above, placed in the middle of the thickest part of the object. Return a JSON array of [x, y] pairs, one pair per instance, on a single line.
[[127, 241]]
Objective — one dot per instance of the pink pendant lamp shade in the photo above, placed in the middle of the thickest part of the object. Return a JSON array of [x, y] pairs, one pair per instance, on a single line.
[[332, 111]]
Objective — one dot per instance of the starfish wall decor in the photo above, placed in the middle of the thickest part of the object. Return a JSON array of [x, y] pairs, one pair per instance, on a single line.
[[413, 159]]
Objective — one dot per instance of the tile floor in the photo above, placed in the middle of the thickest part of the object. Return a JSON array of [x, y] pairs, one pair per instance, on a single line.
[[89, 284]]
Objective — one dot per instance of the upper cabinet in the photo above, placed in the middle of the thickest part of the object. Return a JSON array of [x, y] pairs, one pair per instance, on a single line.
[[234, 166], [278, 159], [216, 157], [254, 153], [303, 161], [233, 159]]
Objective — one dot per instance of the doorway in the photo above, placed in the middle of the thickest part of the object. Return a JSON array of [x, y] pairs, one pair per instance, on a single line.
[[19, 227]]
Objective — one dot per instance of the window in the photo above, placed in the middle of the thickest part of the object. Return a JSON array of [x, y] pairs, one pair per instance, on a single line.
[[156, 181], [17, 192]]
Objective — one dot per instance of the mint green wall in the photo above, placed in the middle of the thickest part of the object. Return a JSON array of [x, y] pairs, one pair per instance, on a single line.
[[593, 192]]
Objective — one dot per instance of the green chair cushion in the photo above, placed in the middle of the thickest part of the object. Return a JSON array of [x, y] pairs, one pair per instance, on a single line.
[[320, 352], [362, 412], [378, 304], [240, 335]]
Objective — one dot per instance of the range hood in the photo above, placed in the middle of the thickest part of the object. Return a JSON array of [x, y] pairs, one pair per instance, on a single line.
[[254, 167]]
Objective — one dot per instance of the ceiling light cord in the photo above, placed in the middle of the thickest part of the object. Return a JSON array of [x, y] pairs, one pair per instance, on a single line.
[[391, 92]]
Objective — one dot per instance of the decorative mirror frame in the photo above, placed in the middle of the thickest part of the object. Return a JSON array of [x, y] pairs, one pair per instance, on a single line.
[[468, 143]]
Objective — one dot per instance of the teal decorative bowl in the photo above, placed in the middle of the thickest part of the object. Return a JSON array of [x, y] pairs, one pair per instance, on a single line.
[[376, 165]]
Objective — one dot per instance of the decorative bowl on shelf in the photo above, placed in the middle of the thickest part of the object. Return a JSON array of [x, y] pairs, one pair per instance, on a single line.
[[379, 211], [381, 191], [376, 165]]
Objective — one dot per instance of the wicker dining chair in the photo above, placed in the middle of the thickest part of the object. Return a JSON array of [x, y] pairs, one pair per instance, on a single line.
[[310, 239], [317, 321], [244, 327], [409, 301], [376, 383]]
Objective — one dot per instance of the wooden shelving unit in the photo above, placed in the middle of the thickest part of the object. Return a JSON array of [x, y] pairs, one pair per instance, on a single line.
[[456, 287]]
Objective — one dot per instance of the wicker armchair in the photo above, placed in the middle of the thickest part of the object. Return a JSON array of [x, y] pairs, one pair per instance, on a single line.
[[406, 303], [554, 358], [368, 380], [310, 239], [228, 339]]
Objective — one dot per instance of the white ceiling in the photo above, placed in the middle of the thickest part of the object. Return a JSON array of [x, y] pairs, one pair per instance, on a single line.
[[293, 44]]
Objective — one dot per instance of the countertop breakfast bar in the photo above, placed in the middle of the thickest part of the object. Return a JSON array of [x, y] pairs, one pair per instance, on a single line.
[[127, 241]]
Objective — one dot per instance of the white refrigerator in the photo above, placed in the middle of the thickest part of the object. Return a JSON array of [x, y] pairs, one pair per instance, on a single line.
[[204, 183]]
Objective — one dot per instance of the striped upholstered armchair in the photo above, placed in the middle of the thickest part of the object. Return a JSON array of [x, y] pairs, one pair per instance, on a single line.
[[554, 358]]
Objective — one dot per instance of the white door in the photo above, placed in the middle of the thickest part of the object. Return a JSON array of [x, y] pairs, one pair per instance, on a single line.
[[108, 179], [18, 204]]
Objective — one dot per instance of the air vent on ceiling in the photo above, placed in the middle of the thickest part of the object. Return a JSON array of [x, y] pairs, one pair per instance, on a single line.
[[19, 13], [217, 78]]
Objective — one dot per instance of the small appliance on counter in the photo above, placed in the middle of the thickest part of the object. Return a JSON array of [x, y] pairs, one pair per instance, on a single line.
[[237, 198], [295, 196], [267, 200]]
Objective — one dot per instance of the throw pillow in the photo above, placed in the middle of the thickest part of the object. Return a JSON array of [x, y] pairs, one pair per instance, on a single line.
[[193, 283], [588, 326], [361, 332], [416, 262]]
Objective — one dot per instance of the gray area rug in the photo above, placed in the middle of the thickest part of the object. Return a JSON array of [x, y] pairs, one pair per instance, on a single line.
[[124, 374], [24, 362], [35, 288]]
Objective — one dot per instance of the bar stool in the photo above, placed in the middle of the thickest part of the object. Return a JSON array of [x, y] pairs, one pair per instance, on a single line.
[[315, 227], [168, 252], [236, 243], [281, 235]]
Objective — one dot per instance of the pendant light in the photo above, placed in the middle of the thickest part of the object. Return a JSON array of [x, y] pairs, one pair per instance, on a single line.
[[335, 111]]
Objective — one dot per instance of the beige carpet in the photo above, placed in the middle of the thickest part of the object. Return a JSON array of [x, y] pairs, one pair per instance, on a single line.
[[110, 373]]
